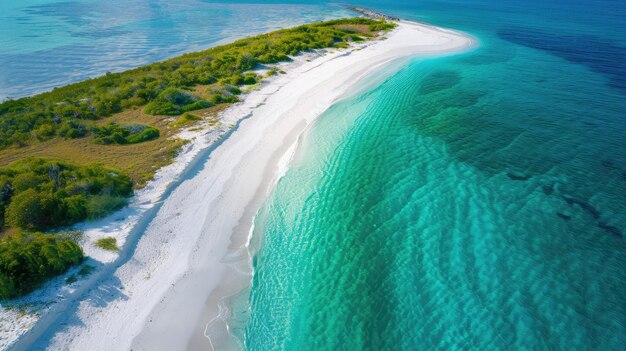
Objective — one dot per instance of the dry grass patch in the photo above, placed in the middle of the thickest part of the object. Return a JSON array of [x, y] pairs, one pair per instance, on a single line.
[[138, 161]]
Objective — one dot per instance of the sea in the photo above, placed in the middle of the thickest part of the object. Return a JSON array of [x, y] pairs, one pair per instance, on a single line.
[[474, 201]]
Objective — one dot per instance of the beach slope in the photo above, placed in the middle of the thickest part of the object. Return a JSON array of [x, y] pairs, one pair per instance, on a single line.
[[168, 289]]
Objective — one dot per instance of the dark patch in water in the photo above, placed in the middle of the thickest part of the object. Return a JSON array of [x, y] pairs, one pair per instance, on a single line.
[[548, 189], [608, 164], [610, 229], [514, 176], [624, 175], [584, 205], [439, 81], [598, 55], [564, 216]]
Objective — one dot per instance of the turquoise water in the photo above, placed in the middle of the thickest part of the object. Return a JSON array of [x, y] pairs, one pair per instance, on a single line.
[[50, 43], [471, 202]]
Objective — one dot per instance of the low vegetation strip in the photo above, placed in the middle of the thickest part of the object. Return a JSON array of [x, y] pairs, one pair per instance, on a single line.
[[165, 88]]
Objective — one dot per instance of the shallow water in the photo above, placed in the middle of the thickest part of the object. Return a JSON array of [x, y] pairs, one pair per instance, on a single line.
[[50, 43], [476, 201], [470, 202]]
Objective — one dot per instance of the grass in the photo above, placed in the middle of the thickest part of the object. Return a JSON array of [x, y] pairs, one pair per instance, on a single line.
[[138, 161], [186, 119], [109, 244]]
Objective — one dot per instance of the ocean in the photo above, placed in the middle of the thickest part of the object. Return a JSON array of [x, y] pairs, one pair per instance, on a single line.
[[50, 43], [469, 202]]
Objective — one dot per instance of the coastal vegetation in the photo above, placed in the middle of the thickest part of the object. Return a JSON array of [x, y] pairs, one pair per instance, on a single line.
[[40, 194], [114, 133], [127, 113], [109, 244], [77, 152], [29, 259], [165, 88]]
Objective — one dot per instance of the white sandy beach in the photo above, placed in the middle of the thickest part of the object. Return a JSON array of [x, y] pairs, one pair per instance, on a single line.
[[189, 246]]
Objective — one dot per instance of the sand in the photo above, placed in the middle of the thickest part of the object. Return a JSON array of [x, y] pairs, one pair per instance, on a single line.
[[187, 248]]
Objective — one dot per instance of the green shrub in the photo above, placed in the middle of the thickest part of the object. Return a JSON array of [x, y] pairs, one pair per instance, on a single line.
[[185, 119], [72, 129], [223, 99], [100, 206], [159, 86], [29, 259], [173, 102], [381, 26], [39, 194], [109, 244], [114, 133], [233, 90], [31, 210], [147, 134]]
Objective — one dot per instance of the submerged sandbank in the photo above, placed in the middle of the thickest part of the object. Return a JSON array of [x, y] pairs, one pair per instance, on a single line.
[[163, 295]]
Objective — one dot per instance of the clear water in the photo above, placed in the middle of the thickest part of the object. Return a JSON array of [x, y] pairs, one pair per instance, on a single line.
[[472, 202], [50, 43]]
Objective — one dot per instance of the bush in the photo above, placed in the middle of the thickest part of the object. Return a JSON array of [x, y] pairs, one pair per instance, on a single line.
[[29, 259], [173, 102], [147, 134], [159, 86], [113, 133], [109, 244], [31, 210], [38, 194], [100, 206], [185, 119]]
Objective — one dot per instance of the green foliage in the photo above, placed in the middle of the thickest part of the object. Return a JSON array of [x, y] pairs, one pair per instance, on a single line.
[[218, 98], [100, 206], [109, 244], [186, 118], [31, 209], [39, 194], [113, 133], [381, 26], [160, 86], [223, 94], [29, 259], [172, 102]]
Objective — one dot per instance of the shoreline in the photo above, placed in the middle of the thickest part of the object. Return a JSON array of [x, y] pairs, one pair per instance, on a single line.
[[196, 232]]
